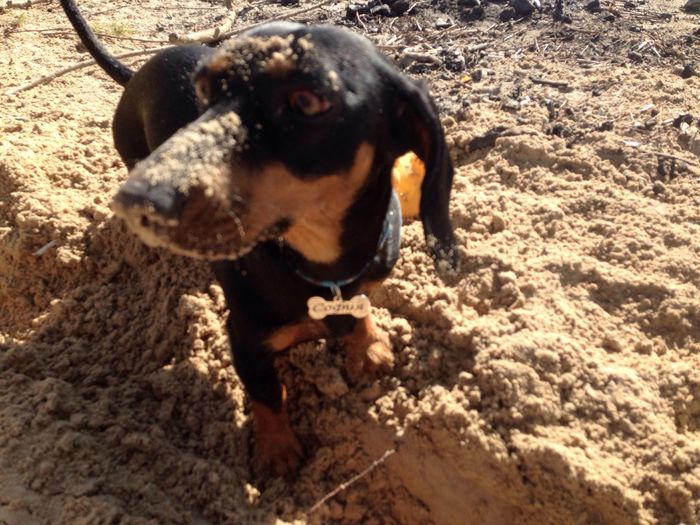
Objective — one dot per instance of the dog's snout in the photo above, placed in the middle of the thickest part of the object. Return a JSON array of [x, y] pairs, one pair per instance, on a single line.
[[160, 199]]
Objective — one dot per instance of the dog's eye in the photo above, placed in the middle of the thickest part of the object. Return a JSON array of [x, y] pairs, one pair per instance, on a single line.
[[308, 103]]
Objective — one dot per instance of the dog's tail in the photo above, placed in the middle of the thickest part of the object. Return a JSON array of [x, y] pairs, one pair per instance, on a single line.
[[115, 69]]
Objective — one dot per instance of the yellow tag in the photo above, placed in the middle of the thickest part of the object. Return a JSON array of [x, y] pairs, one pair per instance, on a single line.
[[407, 176]]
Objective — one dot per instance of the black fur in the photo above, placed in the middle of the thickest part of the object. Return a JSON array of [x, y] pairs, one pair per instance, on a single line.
[[376, 105]]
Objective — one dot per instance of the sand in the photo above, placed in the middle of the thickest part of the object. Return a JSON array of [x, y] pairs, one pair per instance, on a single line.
[[556, 379]]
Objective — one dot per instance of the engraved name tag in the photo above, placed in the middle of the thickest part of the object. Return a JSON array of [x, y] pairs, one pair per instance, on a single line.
[[359, 307]]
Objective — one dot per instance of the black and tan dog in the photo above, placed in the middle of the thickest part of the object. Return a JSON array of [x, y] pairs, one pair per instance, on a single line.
[[272, 157]]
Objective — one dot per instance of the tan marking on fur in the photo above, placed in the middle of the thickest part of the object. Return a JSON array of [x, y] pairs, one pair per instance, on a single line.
[[293, 334], [316, 208], [277, 445], [229, 207], [368, 287], [367, 350]]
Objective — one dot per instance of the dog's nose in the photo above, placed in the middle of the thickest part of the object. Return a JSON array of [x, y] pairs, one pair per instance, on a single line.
[[161, 199]]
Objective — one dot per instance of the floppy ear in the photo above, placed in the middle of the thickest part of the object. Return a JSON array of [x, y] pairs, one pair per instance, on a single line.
[[416, 127]]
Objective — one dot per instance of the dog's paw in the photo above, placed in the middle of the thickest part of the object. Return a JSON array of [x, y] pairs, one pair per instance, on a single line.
[[277, 446], [375, 357], [367, 349], [282, 453]]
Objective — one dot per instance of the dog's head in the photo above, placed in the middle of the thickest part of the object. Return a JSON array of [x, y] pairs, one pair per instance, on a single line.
[[296, 121]]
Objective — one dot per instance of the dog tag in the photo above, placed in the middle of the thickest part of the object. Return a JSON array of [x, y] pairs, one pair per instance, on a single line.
[[359, 307]]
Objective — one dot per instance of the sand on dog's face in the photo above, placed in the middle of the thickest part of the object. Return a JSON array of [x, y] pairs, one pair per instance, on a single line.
[[224, 183], [555, 380]]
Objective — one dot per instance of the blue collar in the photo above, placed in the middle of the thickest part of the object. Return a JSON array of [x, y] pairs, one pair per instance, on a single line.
[[335, 286]]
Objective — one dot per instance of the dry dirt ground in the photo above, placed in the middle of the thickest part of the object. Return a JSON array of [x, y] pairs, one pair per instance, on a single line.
[[556, 380]]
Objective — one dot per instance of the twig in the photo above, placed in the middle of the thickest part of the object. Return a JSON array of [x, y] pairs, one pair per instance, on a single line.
[[359, 21], [352, 480], [34, 30], [276, 17], [45, 248], [478, 47], [205, 35], [68, 32], [130, 38], [513, 35], [411, 8], [152, 50], [79, 65], [672, 157], [23, 4], [546, 82]]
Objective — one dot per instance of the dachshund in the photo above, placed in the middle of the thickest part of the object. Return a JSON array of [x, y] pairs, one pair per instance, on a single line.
[[271, 157]]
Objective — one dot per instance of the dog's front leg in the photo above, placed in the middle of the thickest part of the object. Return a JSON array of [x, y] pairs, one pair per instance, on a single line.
[[367, 349], [277, 446]]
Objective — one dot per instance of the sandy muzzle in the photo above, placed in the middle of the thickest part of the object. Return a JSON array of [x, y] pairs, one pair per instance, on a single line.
[[190, 195]]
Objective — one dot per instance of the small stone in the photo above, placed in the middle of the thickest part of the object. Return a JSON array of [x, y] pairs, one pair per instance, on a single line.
[[443, 23], [352, 10], [510, 105], [400, 7], [522, 7], [684, 118], [381, 9], [476, 14], [636, 57], [498, 223], [612, 343], [644, 347], [560, 130], [608, 125], [469, 3], [507, 277], [593, 7], [507, 14], [688, 71]]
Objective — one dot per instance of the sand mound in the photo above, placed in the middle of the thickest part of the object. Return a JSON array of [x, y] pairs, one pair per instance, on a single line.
[[555, 380]]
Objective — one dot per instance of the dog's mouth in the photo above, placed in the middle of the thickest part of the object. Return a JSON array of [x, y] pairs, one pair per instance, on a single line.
[[209, 242]]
